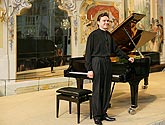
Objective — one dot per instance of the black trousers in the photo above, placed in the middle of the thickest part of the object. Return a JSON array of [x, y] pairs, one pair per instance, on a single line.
[[102, 69]]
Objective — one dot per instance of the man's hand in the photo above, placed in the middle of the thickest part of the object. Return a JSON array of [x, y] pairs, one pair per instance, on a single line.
[[90, 74], [131, 59]]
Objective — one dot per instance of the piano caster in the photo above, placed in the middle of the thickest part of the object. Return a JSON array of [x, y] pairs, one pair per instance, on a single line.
[[145, 87], [132, 111]]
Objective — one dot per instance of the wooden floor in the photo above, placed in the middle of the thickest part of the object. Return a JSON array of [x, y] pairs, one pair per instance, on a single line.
[[38, 108]]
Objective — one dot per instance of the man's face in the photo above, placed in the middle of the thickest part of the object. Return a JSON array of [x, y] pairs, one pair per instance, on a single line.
[[103, 23]]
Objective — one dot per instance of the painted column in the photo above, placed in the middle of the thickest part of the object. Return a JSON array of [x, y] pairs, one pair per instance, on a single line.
[[3, 44]]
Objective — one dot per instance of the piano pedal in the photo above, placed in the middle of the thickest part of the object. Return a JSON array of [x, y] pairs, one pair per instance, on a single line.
[[132, 110]]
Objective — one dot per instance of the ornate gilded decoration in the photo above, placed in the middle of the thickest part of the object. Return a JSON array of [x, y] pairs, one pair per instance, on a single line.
[[65, 24], [2, 14], [15, 6], [1, 25], [68, 5]]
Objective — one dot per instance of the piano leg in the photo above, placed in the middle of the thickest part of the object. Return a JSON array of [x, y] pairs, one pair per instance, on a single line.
[[79, 83], [145, 83], [134, 96], [51, 68], [113, 86]]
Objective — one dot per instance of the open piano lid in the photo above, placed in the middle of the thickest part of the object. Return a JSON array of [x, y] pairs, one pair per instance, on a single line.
[[128, 37]]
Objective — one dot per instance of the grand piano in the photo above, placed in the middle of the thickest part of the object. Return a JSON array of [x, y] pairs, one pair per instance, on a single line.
[[129, 39]]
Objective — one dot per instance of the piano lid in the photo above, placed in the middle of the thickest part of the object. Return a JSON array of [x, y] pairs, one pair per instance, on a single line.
[[126, 32]]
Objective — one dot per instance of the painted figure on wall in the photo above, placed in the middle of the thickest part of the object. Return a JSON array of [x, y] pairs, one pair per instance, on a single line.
[[89, 20], [157, 42], [156, 26]]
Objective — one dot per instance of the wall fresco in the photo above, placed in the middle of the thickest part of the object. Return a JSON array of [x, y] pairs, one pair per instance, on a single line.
[[89, 20]]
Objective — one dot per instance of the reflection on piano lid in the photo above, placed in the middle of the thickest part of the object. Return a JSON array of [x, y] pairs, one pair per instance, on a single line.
[[128, 37]]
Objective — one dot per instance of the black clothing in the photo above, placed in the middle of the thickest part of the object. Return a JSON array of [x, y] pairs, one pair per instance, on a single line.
[[98, 121], [101, 85], [100, 46], [100, 43], [107, 118]]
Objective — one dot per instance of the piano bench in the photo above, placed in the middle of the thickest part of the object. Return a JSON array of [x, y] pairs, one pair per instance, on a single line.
[[76, 95]]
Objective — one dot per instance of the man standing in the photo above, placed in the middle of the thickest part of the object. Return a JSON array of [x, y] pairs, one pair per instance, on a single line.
[[100, 46]]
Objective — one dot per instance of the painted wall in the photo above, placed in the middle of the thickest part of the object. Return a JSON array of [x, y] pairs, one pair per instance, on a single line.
[[1, 34]]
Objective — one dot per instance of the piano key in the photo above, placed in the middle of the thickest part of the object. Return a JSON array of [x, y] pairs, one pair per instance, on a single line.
[[116, 76], [82, 73]]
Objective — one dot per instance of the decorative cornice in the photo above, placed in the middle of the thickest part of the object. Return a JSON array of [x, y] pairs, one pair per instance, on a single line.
[[17, 5], [67, 5]]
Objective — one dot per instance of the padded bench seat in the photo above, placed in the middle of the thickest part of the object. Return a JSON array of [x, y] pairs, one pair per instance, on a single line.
[[76, 95]]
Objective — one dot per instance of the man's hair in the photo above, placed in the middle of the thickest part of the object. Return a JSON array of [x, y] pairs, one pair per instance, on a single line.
[[102, 15]]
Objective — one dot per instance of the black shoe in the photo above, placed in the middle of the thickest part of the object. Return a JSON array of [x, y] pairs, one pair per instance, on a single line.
[[97, 121], [107, 118]]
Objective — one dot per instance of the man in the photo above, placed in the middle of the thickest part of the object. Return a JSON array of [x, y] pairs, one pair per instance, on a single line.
[[100, 46]]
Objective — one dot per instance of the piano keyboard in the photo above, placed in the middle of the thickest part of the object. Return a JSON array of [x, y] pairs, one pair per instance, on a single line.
[[84, 73]]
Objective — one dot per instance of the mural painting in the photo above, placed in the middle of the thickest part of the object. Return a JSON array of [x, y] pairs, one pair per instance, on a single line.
[[89, 21], [156, 26], [152, 24]]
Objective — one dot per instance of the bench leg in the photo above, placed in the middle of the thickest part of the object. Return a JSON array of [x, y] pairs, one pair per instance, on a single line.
[[90, 106], [57, 107], [78, 112], [70, 106]]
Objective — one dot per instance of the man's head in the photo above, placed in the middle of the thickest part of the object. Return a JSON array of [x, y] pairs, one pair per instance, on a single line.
[[103, 21]]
